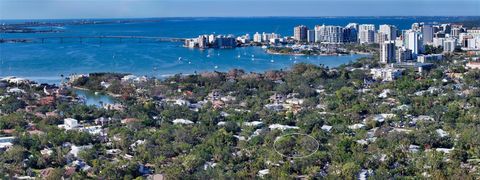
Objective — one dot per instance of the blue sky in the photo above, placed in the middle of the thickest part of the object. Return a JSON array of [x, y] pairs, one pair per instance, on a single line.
[[57, 9]]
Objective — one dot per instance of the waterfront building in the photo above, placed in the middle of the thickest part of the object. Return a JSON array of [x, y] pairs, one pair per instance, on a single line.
[[257, 37], [350, 33], [274, 40], [352, 26], [267, 36], [311, 36], [211, 39], [224, 42], [389, 30], [300, 33], [191, 43], [366, 33], [244, 39], [329, 34], [387, 52], [202, 41], [318, 33]]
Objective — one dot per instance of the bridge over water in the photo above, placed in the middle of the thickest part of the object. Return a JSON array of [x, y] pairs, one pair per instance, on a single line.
[[99, 39]]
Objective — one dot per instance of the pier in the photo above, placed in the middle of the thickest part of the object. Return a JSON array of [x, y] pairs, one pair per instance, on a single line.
[[99, 39]]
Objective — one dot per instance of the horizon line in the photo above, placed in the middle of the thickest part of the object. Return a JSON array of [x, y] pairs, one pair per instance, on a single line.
[[80, 18]]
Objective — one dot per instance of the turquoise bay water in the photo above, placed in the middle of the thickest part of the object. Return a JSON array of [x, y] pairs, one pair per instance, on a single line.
[[45, 62], [92, 99]]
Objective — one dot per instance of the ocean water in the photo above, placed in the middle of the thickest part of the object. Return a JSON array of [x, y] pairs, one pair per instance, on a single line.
[[45, 62]]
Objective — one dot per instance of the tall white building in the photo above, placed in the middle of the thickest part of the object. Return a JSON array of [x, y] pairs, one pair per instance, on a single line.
[[438, 42], [387, 52], [202, 41], [257, 37], [329, 34], [389, 30], [413, 42], [449, 45], [381, 37], [366, 33], [211, 39]]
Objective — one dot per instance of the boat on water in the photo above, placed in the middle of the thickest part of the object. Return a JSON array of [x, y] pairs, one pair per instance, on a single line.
[[179, 58], [216, 67], [272, 61], [264, 47]]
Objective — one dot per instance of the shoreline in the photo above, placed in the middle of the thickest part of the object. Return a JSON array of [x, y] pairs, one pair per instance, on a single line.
[[321, 54], [105, 92]]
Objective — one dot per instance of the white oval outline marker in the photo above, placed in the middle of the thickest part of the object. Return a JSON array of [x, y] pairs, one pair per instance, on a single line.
[[279, 137]]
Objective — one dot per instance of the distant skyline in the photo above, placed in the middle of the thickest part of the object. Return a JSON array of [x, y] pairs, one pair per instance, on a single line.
[[69, 9]]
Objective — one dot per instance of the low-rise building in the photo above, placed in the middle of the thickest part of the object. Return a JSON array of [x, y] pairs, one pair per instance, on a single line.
[[70, 123], [386, 74], [6, 142], [473, 65], [429, 58]]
